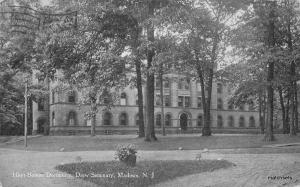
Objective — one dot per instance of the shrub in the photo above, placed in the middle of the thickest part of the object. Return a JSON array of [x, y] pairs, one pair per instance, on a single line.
[[126, 153]]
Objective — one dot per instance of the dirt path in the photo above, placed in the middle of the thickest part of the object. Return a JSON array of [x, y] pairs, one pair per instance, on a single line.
[[250, 169]]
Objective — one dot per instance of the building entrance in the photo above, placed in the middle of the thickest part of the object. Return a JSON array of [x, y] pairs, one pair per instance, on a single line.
[[183, 121]]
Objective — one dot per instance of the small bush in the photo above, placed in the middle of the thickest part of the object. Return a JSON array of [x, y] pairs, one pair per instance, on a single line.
[[125, 151]]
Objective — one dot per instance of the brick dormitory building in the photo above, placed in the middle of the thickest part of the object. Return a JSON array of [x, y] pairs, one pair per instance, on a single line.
[[183, 111]]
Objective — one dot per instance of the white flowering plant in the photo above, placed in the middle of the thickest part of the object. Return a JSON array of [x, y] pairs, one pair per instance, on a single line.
[[125, 151]]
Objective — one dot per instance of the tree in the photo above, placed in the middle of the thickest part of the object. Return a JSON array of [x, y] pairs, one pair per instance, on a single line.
[[88, 56], [205, 29]]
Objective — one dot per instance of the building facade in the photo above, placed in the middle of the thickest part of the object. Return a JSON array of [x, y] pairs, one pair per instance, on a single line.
[[183, 112]]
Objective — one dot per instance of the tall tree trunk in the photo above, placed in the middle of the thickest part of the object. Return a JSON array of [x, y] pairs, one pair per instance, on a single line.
[[93, 122], [270, 76], [206, 130], [296, 107], [206, 127], [293, 79], [284, 124], [293, 107], [287, 113], [261, 119], [162, 101], [140, 98], [150, 131]]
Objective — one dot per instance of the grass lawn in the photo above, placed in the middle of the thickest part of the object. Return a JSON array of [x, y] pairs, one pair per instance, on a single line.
[[145, 173], [87, 143]]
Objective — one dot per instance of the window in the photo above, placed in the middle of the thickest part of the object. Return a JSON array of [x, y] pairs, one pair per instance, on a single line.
[[158, 120], [168, 120], [53, 118], [157, 83], [158, 100], [123, 119], [251, 122], [242, 121], [166, 83], [198, 87], [184, 100], [230, 121], [167, 100], [220, 121], [200, 121], [184, 84], [123, 100], [219, 88], [72, 118], [71, 97], [187, 84], [180, 101], [107, 118], [180, 86], [230, 106], [187, 101], [199, 102], [106, 97], [41, 104], [220, 104], [137, 119]]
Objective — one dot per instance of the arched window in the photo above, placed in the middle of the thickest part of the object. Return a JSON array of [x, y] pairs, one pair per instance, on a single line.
[[53, 118], [242, 121], [251, 122], [230, 121], [219, 88], [71, 97], [220, 104], [168, 120], [158, 120], [123, 119], [123, 100], [137, 119], [107, 118], [200, 121], [72, 118], [220, 121]]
